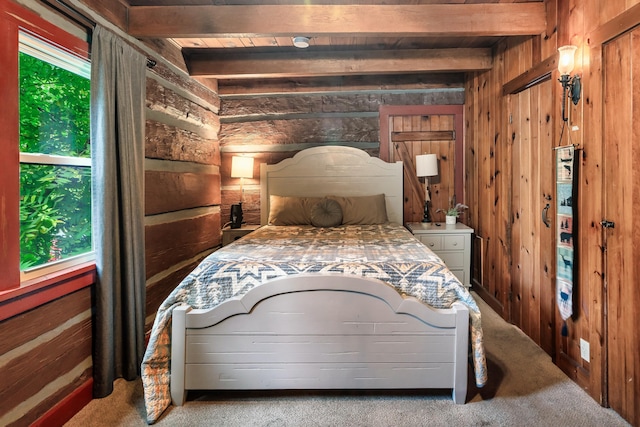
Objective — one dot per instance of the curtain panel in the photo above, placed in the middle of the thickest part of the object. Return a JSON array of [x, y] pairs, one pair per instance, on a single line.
[[117, 144]]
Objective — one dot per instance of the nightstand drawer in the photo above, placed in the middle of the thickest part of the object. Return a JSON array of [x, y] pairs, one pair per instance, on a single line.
[[454, 243], [432, 242], [452, 259]]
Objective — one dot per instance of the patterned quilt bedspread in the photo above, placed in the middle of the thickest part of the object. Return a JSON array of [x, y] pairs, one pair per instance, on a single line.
[[386, 252]]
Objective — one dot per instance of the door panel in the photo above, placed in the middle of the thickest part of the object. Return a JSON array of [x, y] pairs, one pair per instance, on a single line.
[[412, 135], [622, 195], [409, 130], [532, 242]]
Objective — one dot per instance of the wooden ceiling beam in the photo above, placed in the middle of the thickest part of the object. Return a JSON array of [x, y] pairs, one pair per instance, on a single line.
[[473, 20], [306, 63], [358, 84]]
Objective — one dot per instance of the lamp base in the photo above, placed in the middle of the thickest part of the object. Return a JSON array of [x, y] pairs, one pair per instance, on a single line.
[[426, 217]]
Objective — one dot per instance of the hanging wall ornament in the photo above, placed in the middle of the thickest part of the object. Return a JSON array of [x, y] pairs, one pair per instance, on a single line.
[[566, 192]]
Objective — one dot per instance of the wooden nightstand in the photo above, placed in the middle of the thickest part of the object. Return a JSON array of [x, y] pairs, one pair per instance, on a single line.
[[231, 234], [452, 243]]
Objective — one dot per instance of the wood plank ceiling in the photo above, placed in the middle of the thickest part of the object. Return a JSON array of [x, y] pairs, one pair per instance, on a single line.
[[242, 39]]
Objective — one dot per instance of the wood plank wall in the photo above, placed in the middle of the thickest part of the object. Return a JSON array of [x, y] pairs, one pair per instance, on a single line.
[[621, 94], [273, 120], [509, 173]]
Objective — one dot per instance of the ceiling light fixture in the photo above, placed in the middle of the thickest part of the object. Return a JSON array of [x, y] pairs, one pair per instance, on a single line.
[[301, 42]]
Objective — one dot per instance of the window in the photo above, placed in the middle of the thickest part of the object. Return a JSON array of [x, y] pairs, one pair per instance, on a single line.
[[55, 162], [29, 169]]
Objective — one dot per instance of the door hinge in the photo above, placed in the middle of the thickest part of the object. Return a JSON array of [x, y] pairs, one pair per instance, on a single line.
[[607, 224]]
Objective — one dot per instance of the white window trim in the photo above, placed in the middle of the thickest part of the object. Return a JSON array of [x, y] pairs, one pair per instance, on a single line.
[[50, 159], [47, 52], [52, 267]]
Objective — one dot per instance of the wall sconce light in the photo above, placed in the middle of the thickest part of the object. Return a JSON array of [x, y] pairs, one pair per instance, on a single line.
[[570, 85], [426, 166]]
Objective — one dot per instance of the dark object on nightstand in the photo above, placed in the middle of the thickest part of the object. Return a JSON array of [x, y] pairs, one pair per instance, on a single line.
[[236, 216]]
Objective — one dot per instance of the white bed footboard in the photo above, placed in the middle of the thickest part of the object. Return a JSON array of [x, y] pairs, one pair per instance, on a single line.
[[320, 332]]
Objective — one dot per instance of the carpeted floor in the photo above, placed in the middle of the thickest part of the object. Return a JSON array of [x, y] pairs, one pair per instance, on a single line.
[[525, 389]]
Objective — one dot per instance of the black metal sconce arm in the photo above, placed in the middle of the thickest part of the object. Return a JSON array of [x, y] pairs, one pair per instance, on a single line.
[[571, 87]]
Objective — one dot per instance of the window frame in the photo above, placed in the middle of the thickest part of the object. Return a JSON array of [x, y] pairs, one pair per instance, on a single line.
[[17, 293]]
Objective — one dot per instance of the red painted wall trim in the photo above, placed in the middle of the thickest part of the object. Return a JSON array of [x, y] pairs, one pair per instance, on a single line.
[[10, 159], [34, 24], [47, 288], [68, 407]]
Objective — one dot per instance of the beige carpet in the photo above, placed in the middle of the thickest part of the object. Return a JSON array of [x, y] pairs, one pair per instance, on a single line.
[[524, 389]]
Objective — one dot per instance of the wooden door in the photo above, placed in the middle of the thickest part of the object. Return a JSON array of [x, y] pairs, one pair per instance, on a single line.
[[415, 130], [621, 143], [531, 302]]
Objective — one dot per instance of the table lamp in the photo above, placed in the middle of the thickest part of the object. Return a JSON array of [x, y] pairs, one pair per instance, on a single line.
[[241, 167], [426, 166]]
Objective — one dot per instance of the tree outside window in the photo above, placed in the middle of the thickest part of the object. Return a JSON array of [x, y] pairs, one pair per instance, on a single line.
[[55, 164]]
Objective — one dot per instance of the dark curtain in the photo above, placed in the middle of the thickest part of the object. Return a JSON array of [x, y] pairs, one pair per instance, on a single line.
[[117, 144]]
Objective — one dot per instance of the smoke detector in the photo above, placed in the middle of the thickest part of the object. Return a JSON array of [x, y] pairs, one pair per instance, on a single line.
[[301, 42]]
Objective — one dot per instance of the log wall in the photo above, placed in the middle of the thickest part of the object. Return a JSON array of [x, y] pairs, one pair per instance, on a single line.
[[273, 120], [182, 180], [45, 353]]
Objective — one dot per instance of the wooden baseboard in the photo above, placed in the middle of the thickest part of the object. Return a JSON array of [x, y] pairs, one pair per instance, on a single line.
[[68, 407], [490, 300]]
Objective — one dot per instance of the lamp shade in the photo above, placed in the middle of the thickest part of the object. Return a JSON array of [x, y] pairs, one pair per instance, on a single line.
[[241, 167], [427, 165], [566, 61]]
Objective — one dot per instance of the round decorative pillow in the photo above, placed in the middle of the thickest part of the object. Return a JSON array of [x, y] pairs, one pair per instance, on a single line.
[[326, 213]]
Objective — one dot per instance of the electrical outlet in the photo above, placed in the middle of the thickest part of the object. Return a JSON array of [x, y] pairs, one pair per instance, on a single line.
[[584, 349]]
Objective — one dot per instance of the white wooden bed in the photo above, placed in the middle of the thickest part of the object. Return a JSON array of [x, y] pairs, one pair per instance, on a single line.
[[316, 331]]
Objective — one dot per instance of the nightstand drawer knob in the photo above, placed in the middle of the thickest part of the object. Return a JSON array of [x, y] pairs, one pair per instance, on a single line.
[[455, 243], [431, 244]]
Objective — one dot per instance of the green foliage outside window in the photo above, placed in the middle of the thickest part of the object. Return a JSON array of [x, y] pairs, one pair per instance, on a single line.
[[55, 200]]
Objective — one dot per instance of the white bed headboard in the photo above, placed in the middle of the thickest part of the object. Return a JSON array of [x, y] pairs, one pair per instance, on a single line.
[[333, 170]]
